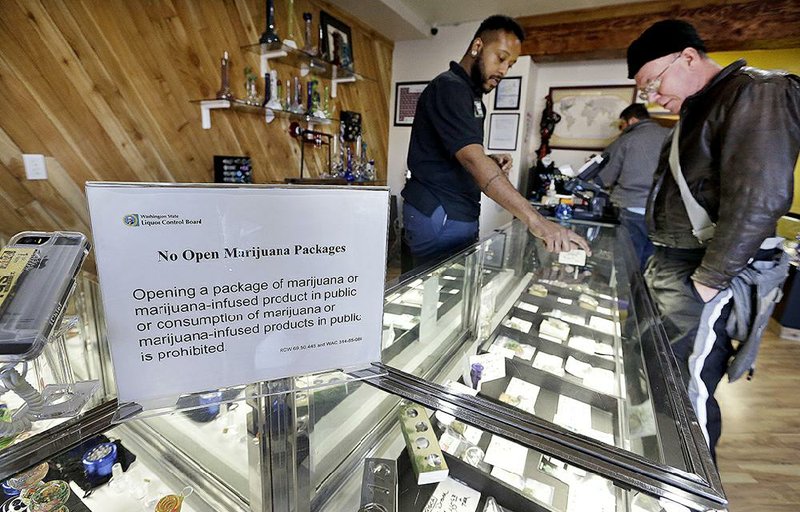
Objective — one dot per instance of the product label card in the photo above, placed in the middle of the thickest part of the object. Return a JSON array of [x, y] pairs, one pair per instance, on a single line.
[[207, 287]]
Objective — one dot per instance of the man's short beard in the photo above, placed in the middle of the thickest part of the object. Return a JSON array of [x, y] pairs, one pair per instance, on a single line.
[[476, 72]]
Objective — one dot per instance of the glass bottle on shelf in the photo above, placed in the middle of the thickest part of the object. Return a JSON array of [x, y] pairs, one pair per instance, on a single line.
[[224, 92], [297, 105], [287, 103], [289, 41], [251, 97], [270, 35], [309, 47], [274, 100]]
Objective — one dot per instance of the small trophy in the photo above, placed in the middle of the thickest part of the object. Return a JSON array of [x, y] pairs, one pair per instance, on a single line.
[[274, 101], [270, 36], [309, 47], [224, 92]]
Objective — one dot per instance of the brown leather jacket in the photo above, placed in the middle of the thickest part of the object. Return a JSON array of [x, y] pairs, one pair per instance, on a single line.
[[739, 141]]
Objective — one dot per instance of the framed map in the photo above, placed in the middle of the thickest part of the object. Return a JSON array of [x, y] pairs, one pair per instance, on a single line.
[[589, 115]]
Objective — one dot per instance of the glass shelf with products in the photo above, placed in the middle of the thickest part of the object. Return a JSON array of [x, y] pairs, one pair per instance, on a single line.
[[207, 105], [303, 61]]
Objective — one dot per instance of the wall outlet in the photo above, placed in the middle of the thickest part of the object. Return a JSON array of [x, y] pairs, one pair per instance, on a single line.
[[35, 168]]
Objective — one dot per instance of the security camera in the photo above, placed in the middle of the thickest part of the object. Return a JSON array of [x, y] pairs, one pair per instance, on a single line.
[[434, 30]]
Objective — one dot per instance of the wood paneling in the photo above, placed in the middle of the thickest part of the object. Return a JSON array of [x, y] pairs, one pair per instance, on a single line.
[[606, 32], [759, 452], [103, 89]]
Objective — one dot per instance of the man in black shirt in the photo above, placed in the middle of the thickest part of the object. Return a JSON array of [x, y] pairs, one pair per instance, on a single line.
[[448, 165]]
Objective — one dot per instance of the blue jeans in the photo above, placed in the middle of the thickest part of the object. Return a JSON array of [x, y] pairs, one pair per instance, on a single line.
[[435, 237], [637, 227]]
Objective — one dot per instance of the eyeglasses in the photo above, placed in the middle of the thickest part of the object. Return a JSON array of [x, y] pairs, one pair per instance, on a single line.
[[653, 85]]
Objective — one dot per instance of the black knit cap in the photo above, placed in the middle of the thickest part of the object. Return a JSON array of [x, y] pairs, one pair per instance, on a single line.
[[662, 38]]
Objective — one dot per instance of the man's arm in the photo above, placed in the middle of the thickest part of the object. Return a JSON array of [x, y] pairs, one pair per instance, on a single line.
[[494, 183]]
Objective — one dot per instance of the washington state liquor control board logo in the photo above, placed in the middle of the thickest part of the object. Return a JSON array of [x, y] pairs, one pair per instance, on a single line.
[[158, 219]]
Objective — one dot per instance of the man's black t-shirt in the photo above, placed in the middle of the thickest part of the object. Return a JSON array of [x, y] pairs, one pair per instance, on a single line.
[[449, 116]]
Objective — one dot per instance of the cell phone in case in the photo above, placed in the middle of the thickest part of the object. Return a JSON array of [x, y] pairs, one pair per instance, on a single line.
[[37, 276]]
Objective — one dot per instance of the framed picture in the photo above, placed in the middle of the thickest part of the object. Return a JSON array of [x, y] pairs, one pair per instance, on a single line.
[[406, 95], [503, 131], [506, 94], [589, 115], [337, 42]]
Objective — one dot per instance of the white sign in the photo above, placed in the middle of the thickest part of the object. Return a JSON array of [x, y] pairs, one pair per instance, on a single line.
[[207, 287]]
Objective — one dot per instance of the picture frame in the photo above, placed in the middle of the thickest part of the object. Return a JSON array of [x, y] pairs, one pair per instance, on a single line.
[[503, 131], [406, 95], [589, 115], [507, 93], [331, 27]]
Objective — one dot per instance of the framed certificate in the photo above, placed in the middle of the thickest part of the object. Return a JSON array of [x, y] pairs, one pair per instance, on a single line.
[[503, 131], [506, 95]]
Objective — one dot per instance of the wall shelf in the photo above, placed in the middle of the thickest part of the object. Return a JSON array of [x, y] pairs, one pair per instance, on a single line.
[[306, 63], [206, 106]]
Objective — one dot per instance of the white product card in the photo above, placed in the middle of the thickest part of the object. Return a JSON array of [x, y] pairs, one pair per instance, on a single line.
[[604, 311], [506, 455], [582, 343], [549, 363], [567, 317], [449, 278], [518, 324], [473, 434], [556, 328], [574, 257], [550, 338], [453, 496], [512, 479], [494, 366], [562, 300], [412, 297], [449, 443], [460, 388], [212, 286], [603, 325], [577, 368], [533, 308], [403, 321], [500, 350], [588, 300], [526, 392], [601, 380], [521, 350], [540, 491], [574, 414]]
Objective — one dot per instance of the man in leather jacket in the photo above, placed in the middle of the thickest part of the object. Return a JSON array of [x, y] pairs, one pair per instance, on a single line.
[[738, 143]]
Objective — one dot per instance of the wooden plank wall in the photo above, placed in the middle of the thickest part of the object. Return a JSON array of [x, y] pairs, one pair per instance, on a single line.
[[103, 89]]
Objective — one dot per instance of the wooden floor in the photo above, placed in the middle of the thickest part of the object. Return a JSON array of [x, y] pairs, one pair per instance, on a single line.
[[759, 452]]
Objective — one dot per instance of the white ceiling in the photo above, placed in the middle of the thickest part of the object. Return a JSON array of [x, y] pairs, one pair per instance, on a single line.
[[401, 20]]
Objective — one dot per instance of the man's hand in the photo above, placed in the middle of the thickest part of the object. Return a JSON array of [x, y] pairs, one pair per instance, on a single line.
[[705, 292], [504, 161], [557, 238]]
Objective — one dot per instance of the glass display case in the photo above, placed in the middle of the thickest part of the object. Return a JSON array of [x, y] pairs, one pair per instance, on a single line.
[[508, 381]]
